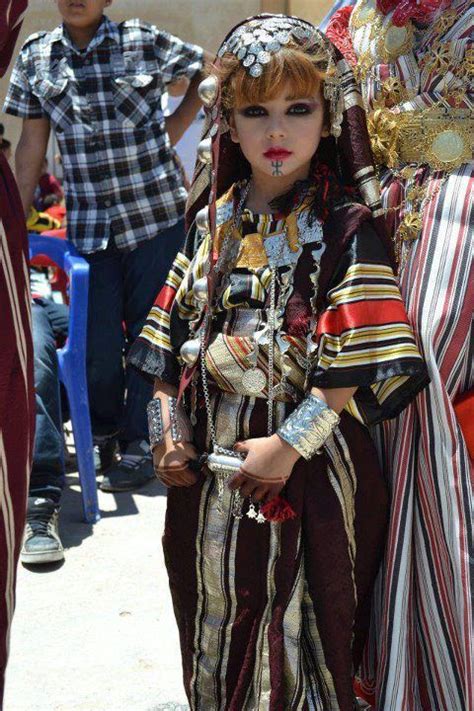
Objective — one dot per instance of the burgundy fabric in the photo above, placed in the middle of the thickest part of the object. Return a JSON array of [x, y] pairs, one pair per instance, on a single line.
[[16, 363], [327, 567], [10, 24], [16, 396]]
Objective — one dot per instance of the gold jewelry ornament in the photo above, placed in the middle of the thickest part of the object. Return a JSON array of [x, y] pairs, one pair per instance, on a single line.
[[395, 41]]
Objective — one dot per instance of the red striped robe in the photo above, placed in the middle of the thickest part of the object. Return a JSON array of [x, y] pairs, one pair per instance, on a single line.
[[422, 655]]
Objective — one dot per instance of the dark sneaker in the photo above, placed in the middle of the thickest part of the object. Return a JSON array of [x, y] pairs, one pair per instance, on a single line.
[[105, 454], [41, 543], [134, 469]]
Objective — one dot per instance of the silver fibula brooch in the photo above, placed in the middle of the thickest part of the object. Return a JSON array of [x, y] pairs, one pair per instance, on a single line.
[[254, 380]]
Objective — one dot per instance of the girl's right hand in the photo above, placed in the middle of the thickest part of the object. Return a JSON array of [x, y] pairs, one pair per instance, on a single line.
[[170, 461]]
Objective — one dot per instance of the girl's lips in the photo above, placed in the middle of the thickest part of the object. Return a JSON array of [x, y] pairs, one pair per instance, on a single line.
[[277, 154]]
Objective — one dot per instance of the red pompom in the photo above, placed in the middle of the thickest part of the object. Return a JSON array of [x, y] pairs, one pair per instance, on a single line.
[[278, 510]]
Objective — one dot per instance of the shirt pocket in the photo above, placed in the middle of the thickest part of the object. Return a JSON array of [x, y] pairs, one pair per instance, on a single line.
[[136, 98], [56, 101]]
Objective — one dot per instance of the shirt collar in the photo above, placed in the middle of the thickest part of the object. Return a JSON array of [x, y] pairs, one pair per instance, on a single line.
[[106, 29]]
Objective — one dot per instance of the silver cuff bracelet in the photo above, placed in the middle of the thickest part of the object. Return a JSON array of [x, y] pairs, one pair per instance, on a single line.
[[175, 425], [309, 426], [156, 430]]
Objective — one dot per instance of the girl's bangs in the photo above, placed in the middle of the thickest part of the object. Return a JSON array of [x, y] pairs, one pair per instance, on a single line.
[[289, 67]]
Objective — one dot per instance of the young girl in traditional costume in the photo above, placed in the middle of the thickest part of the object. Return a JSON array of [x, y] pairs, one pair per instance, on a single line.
[[414, 60], [284, 312]]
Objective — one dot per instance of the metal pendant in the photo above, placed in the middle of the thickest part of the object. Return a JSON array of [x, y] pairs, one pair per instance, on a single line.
[[254, 380], [252, 513], [190, 350], [200, 292], [204, 150], [224, 463], [202, 220], [208, 89]]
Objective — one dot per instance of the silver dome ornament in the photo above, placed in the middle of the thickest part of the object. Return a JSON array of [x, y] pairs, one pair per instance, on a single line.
[[190, 350], [204, 150], [200, 290], [256, 70], [208, 89], [202, 220]]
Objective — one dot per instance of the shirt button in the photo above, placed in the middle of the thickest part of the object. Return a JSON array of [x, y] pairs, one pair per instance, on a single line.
[[108, 203]]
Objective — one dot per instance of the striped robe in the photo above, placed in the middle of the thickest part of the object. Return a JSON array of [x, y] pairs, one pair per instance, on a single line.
[[16, 365], [421, 655], [275, 616]]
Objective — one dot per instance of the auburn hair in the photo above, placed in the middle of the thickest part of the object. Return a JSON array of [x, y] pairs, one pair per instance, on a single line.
[[305, 73]]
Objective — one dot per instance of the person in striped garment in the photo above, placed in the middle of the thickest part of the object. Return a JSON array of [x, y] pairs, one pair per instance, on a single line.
[[17, 408], [285, 312], [415, 66]]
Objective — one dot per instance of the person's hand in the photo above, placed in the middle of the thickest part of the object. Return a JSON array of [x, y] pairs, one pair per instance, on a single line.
[[170, 461], [266, 469]]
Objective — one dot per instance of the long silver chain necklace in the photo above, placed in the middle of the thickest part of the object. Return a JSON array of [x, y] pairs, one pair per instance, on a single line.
[[224, 462]]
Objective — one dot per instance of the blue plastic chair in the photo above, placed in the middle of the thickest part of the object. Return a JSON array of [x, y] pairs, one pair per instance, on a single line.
[[72, 360]]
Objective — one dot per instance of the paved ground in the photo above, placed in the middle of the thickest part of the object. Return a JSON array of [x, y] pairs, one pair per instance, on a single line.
[[97, 633]]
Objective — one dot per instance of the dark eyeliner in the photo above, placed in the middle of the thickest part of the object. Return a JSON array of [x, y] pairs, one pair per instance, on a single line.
[[252, 111], [306, 109]]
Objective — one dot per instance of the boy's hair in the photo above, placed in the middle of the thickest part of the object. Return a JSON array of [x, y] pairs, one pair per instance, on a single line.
[[305, 73]]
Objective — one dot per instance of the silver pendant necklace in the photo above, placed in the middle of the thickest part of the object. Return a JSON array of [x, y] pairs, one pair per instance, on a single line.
[[225, 462]]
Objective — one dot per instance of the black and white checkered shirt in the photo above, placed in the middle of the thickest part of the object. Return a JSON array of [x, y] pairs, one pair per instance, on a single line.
[[104, 104]]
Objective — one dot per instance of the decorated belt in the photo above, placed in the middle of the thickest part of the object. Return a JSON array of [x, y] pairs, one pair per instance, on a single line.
[[440, 138], [235, 365]]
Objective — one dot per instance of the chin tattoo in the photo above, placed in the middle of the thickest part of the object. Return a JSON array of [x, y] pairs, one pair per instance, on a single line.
[[277, 167]]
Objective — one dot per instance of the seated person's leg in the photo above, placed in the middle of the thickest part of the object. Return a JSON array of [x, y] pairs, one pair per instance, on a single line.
[[42, 543]]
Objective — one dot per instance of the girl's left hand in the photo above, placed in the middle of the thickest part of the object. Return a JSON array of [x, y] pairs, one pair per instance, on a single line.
[[267, 467]]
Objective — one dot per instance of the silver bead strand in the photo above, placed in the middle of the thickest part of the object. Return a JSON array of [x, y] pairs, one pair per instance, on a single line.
[[271, 351]]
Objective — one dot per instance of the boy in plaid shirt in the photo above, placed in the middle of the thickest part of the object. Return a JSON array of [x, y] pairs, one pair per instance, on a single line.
[[99, 84]]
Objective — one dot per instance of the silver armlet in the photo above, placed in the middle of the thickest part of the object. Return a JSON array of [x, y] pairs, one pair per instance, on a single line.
[[309, 426], [156, 430]]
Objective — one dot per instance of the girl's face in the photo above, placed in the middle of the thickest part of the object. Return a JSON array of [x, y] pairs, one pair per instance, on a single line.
[[279, 137]]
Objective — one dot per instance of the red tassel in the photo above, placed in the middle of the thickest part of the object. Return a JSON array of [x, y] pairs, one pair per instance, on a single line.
[[278, 510]]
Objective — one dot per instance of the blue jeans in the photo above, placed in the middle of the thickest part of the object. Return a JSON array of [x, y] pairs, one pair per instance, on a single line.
[[122, 288], [50, 323]]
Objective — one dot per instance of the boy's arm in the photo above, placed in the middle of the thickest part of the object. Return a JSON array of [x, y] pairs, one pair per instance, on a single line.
[[29, 157], [179, 121]]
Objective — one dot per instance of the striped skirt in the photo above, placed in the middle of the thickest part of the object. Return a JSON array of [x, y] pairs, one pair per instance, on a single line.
[[421, 651], [274, 616]]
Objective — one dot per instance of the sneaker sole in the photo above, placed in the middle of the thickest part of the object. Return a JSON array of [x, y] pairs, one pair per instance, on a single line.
[[41, 558]]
